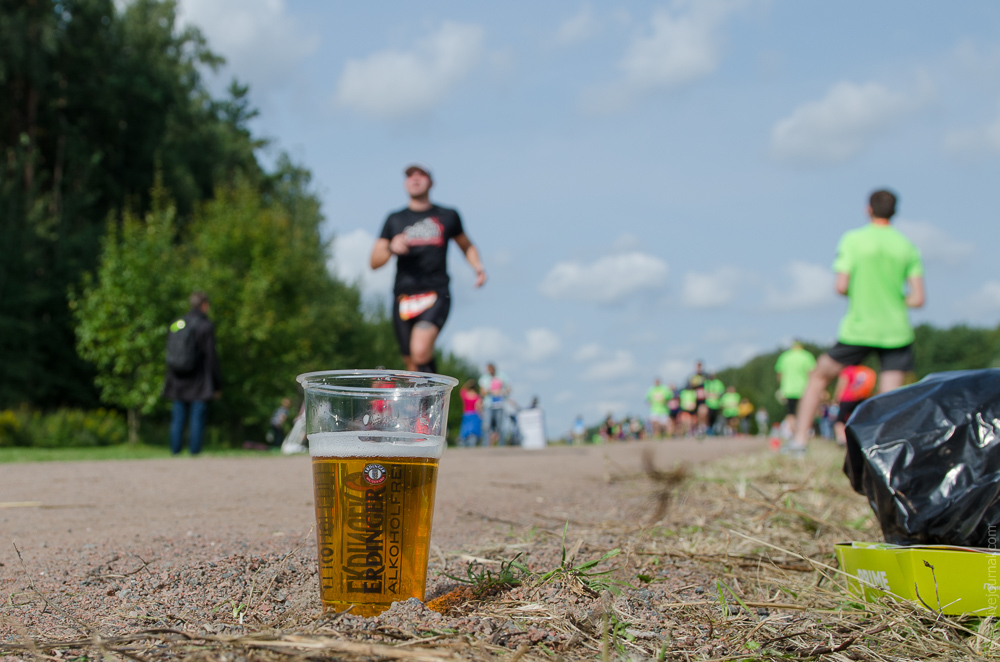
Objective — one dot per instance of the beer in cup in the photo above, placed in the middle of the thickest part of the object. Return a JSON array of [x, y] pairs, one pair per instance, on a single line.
[[375, 438]]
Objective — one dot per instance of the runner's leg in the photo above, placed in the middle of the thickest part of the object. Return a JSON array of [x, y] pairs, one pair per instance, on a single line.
[[422, 346], [890, 380], [826, 371]]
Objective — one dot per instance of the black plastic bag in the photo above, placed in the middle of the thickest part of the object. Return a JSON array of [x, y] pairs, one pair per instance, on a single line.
[[927, 456]]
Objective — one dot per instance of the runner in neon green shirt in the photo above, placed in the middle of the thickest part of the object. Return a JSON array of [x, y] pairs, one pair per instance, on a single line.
[[689, 408], [731, 409], [793, 368], [714, 388], [658, 396], [881, 273]]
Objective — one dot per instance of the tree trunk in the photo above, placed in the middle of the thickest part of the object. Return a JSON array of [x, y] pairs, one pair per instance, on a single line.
[[133, 426]]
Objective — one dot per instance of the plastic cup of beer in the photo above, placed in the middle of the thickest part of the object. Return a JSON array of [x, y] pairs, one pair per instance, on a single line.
[[375, 438]]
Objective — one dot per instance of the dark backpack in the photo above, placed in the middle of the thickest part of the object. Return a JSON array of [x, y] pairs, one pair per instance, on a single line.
[[183, 355]]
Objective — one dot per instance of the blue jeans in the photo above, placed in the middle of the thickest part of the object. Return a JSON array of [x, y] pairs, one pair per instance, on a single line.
[[199, 411]]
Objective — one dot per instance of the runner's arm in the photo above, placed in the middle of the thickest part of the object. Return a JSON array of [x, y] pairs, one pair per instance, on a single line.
[[385, 249], [843, 280], [380, 253], [915, 297], [472, 257]]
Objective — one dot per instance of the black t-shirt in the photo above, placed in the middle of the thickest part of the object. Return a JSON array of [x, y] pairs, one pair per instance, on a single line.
[[428, 232]]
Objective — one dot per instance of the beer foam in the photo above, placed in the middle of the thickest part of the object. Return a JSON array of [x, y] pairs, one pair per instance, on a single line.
[[375, 444]]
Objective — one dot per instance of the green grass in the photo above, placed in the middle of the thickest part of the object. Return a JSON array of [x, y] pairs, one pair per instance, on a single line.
[[122, 452]]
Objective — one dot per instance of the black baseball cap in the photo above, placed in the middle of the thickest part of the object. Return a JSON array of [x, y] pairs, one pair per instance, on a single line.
[[418, 166]]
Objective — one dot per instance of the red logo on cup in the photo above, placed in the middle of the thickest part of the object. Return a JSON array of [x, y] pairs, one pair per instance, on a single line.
[[374, 474]]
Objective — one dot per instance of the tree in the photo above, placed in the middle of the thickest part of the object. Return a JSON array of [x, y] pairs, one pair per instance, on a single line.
[[277, 309], [959, 348], [123, 310], [94, 100]]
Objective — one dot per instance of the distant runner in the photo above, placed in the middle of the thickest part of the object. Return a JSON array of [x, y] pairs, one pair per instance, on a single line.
[[689, 410], [418, 236], [696, 382], [730, 402], [674, 409], [855, 384], [658, 396], [793, 368], [714, 388]]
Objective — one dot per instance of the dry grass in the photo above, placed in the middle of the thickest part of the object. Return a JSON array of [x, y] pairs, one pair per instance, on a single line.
[[727, 561]]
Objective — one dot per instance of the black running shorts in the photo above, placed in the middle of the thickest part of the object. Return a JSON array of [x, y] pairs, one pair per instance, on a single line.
[[436, 315], [793, 405], [894, 358]]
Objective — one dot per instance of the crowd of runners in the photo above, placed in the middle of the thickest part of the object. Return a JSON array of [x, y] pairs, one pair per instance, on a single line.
[[702, 406]]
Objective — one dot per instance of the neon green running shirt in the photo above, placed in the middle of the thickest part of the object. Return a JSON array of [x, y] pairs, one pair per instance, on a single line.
[[879, 260], [714, 388], [657, 397], [794, 366], [730, 404], [689, 399]]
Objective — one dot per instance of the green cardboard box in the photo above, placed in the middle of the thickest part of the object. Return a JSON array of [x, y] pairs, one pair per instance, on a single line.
[[951, 580]]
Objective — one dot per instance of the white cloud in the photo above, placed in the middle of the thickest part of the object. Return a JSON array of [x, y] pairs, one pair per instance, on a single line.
[[587, 353], [540, 344], [680, 45], [841, 124], [975, 141], [982, 304], [607, 280], [563, 397], [260, 41], [349, 261], [935, 244], [578, 28], [675, 371], [722, 335], [711, 290], [986, 299], [393, 84], [808, 285], [739, 353], [616, 365], [484, 344]]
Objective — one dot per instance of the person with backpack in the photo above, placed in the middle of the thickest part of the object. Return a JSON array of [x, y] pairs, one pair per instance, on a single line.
[[193, 374]]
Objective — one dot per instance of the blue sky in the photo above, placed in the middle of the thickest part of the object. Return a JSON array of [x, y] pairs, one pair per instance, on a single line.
[[647, 183]]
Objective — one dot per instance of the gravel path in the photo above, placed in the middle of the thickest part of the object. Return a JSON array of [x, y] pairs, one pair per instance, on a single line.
[[221, 544]]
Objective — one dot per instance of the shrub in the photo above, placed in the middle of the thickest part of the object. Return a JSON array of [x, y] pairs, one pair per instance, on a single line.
[[12, 430], [63, 428]]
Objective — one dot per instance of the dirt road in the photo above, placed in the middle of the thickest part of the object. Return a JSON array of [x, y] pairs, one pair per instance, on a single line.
[[133, 504]]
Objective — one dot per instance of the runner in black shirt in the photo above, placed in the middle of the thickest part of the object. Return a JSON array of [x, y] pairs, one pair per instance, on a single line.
[[418, 235]]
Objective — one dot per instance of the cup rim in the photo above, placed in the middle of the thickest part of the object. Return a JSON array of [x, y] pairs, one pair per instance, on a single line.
[[423, 382]]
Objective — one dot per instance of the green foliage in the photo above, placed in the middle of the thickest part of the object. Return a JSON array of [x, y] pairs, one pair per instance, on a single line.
[[485, 582], [138, 451], [122, 311], [958, 348], [12, 431], [277, 309], [95, 98], [585, 573], [63, 428]]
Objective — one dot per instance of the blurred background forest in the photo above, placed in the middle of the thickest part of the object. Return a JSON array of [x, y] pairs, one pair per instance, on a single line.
[[125, 184]]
